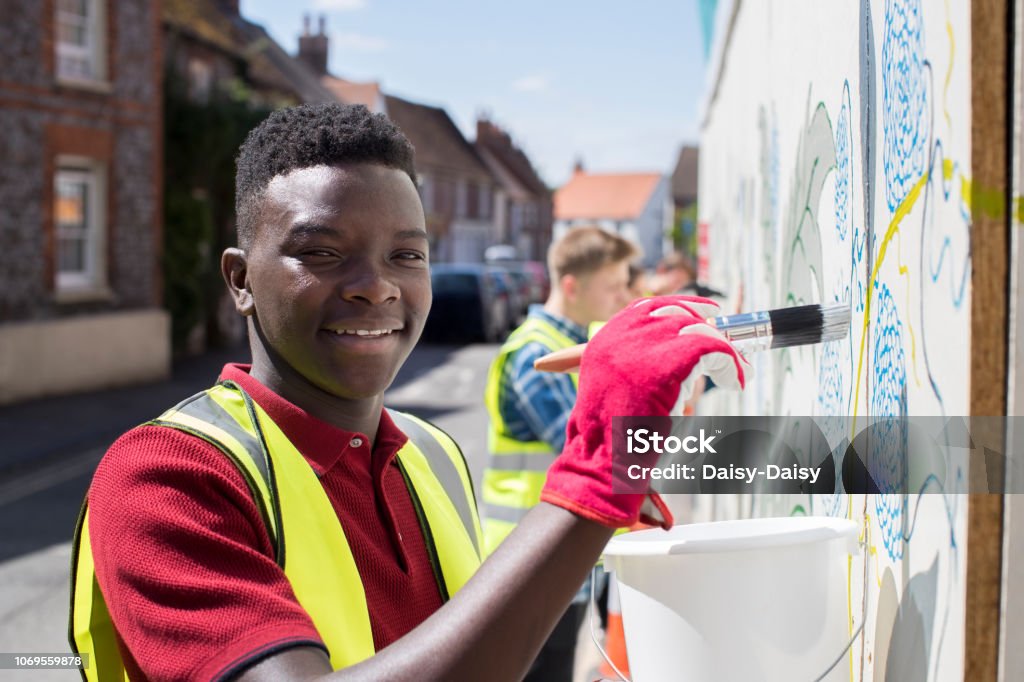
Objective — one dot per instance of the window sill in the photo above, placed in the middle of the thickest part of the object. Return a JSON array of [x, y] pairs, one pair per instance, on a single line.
[[99, 86], [99, 294]]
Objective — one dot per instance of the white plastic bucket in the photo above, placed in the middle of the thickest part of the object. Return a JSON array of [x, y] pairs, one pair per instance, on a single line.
[[754, 599]]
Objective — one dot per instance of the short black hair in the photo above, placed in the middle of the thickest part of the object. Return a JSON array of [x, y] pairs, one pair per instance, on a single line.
[[313, 135]]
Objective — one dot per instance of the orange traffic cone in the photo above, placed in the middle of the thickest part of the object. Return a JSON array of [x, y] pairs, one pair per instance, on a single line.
[[614, 636]]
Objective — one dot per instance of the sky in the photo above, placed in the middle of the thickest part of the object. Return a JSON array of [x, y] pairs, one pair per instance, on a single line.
[[614, 83]]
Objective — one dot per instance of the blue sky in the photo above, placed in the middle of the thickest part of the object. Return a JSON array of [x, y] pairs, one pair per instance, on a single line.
[[615, 83]]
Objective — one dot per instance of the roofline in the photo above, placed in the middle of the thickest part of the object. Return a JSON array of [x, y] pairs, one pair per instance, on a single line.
[[466, 143], [189, 32]]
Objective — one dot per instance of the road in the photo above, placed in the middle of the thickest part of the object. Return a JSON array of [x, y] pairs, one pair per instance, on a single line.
[[50, 448]]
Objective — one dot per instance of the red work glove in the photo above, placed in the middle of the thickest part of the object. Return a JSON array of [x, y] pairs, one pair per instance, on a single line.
[[644, 362]]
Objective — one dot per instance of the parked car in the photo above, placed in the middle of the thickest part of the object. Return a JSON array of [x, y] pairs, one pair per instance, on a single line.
[[530, 284], [539, 282], [521, 295], [506, 292], [531, 278], [471, 302]]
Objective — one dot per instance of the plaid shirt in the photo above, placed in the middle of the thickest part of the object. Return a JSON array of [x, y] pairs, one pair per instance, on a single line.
[[536, 405]]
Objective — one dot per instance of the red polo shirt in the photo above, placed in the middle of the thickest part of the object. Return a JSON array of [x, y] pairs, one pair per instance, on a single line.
[[185, 562]]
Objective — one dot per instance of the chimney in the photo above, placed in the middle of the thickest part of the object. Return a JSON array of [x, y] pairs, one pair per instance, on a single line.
[[313, 48], [484, 128], [578, 166], [229, 7]]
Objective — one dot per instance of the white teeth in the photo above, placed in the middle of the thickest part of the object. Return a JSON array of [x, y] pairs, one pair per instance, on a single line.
[[364, 332]]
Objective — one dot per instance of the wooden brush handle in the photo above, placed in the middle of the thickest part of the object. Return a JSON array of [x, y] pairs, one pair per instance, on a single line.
[[565, 360]]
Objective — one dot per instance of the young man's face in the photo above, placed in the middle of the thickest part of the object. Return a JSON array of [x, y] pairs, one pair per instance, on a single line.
[[602, 293], [338, 276]]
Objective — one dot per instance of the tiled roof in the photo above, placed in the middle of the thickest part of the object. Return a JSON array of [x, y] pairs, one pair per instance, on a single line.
[[440, 145], [350, 92], [684, 177], [596, 196], [202, 20], [270, 62]]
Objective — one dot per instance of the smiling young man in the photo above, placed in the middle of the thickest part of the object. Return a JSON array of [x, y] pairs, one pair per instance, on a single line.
[[282, 524]]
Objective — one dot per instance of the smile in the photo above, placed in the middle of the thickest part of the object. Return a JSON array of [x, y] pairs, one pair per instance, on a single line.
[[364, 332], [369, 339]]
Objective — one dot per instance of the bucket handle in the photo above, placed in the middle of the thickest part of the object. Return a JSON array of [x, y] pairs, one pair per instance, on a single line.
[[593, 631], [842, 654]]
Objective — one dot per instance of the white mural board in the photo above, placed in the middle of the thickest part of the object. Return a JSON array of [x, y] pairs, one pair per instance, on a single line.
[[835, 168]]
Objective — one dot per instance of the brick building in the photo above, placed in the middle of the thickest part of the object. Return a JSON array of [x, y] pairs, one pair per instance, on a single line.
[[224, 74], [212, 46], [523, 204], [80, 196]]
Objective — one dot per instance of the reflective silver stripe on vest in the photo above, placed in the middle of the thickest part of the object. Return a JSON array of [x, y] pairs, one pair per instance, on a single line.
[[499, 512], [443, 469], [521, 461], [206, 409]]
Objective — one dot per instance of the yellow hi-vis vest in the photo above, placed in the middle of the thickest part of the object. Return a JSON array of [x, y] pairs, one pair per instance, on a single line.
[[516, 469], [309, 542]]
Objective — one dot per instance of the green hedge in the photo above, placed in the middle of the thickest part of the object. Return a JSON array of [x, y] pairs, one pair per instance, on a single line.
[[201, 140]]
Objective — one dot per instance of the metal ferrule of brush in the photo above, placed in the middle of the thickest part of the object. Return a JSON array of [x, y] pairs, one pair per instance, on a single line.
[[747, 331]]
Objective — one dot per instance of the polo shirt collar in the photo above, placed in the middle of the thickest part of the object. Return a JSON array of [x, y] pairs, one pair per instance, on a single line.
[[320, 443]]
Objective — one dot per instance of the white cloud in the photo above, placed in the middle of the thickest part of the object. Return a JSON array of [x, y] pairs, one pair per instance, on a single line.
[[535, 83], [340, 5], [357, 42]]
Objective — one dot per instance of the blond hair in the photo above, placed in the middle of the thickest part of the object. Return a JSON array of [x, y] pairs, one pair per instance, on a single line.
[[584, 250]]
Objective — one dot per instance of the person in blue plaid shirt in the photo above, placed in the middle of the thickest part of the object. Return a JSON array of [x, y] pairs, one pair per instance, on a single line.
[[528, 409]]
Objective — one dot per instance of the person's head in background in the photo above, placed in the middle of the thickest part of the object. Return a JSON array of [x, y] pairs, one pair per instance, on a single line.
[[589, 270], [637, 285], [673, 273], [332, 270]]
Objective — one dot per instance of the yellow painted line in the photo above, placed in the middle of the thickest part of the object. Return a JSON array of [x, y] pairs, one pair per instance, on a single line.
[[849, 597], [894, 225]]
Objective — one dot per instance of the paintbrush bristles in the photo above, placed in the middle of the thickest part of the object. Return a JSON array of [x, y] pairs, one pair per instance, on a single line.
[[809, 324], [836, 324]]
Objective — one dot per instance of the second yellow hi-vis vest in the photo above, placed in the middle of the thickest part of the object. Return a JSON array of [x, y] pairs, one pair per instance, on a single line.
[[516, 469], [309, 542]]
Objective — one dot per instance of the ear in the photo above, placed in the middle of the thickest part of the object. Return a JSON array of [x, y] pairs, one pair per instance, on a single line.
[[235, 268], [569, 284]]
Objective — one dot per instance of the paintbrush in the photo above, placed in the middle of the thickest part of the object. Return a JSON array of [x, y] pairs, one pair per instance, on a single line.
[[748, 332]]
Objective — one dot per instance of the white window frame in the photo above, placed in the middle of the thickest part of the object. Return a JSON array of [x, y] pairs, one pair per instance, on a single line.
[[93, 53], [91, 281]]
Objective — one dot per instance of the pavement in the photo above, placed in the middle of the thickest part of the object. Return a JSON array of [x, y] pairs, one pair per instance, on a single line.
[[45, 431]]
